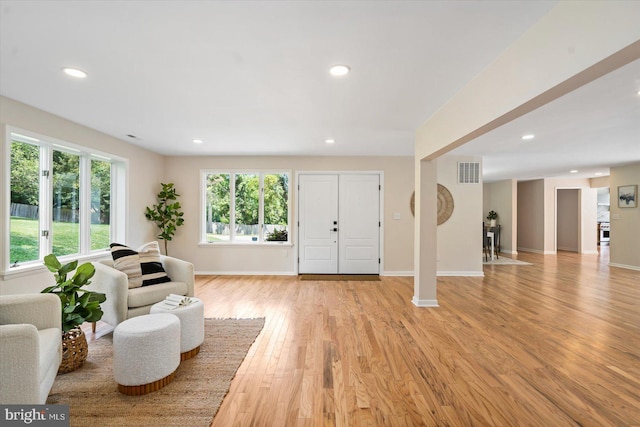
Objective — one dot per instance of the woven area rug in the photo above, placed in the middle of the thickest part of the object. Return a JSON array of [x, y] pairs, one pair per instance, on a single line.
[[342, 277], [191, 399]]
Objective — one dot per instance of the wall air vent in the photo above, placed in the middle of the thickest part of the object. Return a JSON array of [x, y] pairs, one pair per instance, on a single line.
[[468, 172]]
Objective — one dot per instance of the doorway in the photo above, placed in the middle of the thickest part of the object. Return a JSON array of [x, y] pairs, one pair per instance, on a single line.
[[339, 223], [568, 220]]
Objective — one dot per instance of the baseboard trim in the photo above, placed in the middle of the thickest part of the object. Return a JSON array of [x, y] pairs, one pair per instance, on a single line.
[[398, 273], [537, 251], [425, 302], [628, 267], [460, 273], [245, 273], [590, 253]]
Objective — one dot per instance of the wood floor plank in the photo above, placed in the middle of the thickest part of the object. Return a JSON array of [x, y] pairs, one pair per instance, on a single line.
[[553, 343]]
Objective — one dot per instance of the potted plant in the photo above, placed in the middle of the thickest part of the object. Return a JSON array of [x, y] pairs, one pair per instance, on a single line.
[[166, 214], [78, 306], [492, 216], [278, 235]]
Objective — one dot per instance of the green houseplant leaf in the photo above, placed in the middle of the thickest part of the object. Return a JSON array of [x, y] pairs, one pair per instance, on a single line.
[[78, 305], [166, 214]]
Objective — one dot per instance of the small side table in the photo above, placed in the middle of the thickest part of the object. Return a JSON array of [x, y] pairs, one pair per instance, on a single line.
[[191, 325]]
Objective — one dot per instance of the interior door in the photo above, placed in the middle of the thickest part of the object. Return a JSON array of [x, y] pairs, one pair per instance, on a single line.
[[339, 224], [318, 224], [359, 219]]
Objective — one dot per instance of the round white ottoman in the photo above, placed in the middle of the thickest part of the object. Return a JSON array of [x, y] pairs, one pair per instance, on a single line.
[[191, 325], [146, 353]]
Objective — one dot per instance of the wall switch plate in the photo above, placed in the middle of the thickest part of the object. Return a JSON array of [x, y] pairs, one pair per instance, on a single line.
[[396, 215], [615, 216]]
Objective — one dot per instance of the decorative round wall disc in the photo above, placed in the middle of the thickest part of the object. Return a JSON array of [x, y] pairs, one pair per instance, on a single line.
[[445, 204], [412, 204]]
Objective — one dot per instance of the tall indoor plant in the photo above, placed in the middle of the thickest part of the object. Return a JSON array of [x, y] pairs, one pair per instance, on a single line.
[[79, 305], [166, 214]]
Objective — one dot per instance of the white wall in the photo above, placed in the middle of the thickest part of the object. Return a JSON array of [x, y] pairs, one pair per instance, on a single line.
[[460, 238], [625, 222], [184, 172], [145, 172]]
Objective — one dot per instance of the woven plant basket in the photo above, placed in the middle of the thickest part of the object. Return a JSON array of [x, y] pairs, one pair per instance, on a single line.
[[74, 350]]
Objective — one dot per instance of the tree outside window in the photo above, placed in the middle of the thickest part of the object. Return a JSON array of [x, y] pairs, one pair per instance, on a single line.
[[246, 207], [48, 216]]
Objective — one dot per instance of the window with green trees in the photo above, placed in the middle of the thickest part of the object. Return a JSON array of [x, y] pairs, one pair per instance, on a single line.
[[61, 199], [245, 207]]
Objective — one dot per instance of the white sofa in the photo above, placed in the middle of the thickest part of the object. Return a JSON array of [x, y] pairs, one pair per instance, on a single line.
[[124, 303], [30, 347]]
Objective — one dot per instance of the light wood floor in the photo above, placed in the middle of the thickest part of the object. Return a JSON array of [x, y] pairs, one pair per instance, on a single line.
[[552, 344]]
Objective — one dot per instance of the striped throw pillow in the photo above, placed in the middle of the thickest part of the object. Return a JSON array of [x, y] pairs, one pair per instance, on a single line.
[[152, 270], [127, 260]]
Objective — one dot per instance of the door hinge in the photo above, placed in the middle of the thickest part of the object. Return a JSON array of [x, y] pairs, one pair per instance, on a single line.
[[45, 173], [379, 224], [379, 187], [378, 260], [45, 233]]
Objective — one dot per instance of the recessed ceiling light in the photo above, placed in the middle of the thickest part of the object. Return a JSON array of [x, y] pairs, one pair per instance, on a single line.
[[527, 137], [197, 141], [330, 141], [339, 70], [573, 171], [74, 72]]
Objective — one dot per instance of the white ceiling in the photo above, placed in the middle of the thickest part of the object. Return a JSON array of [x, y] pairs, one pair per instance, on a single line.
[[251, 78]]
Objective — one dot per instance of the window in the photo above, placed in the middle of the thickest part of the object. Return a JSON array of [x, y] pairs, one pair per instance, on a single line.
[[245, 207], [61, 199]]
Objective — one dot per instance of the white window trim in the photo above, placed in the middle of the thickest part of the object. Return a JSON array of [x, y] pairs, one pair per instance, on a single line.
[[232, 242], [119, 178]]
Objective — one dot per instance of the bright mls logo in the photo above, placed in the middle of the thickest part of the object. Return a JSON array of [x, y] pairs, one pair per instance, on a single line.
[[35, 415]]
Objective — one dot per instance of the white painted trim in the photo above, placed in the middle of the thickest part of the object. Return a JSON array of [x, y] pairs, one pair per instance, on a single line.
[[537, 251], [566, 249], [460, 273], [425, 302], [629, 267], [590, 253], [509, 251], [245, 273], [408, 273]]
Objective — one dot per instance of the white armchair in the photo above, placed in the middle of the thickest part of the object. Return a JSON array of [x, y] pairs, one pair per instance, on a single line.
[[30, 347], [124, 303]]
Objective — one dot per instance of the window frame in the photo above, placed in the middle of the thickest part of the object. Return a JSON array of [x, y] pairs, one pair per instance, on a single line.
[[261, 173], [47, 145]]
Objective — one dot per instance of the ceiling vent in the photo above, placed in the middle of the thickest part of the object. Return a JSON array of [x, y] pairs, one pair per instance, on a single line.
[[468, 172]]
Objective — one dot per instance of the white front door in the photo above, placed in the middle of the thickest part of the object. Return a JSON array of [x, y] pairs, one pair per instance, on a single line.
[[318, 219], [339, 223], [359, 236]]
